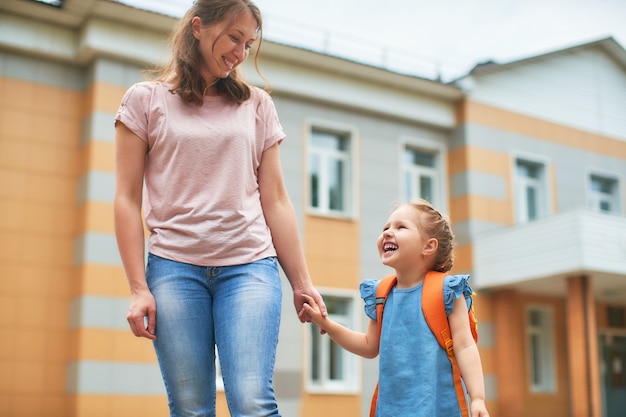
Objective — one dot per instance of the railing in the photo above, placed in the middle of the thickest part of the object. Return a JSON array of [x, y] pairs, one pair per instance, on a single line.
[[358, 50], [315, 38]]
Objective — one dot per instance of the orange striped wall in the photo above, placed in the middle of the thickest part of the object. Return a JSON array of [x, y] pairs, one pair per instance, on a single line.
[[483, 114], [331, 247], [39, 136], [314, 405]]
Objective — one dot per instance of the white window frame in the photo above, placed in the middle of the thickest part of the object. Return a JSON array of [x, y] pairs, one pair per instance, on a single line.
[[351, 368], [595, 197], [348, 157], [543, 335], [522, 183], [436, 173]]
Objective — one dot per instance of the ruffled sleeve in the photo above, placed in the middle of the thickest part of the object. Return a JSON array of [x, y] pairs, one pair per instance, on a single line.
[[368, 294], [453, 287]]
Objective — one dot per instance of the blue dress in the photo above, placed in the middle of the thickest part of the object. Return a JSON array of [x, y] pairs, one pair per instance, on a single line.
[[415, 375]]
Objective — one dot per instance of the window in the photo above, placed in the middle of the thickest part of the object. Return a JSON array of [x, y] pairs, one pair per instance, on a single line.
[[421, 178], [616, 317], [603, 194], [540, 348], [531, 200], [329, 172], [331, 368]]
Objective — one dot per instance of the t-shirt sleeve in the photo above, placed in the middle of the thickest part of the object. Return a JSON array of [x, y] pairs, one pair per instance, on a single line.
[[267, 117], [367, 289], [133, 110], [455, 286]]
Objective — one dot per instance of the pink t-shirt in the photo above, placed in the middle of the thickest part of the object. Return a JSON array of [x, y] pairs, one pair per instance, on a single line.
[[201, 197]]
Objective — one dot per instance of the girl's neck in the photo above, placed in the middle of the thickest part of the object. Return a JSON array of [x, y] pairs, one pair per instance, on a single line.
[[410, 279]]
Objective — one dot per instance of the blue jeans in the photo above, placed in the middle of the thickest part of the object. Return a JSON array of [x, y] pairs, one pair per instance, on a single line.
[[236, 308]]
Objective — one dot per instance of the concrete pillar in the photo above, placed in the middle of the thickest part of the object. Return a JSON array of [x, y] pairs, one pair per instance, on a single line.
[[582, 348], [509, 353]]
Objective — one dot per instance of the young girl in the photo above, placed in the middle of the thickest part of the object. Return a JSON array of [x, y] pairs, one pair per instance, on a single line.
[[197, 149], [415, 373]]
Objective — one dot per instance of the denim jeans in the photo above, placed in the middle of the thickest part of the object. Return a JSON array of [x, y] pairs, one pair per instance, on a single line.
[[236, 308]]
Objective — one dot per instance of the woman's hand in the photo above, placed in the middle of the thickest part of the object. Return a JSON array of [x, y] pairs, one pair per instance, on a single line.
[[312, 312], [142, 305], [308, 296]]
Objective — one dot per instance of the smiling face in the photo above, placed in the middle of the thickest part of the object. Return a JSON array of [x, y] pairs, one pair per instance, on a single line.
[[224, 46], [403, 245]]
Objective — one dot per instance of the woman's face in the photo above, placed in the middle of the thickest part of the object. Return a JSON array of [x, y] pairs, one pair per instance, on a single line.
[[224, 46]]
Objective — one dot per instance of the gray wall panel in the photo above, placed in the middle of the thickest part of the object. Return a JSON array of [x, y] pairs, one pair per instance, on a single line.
[[41, 71]]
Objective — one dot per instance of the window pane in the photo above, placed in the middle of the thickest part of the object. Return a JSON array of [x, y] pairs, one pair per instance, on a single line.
[[315, 178], [329, 171], [540, 350], [535, 318], [535, 346], [336, 306], [531, 201], [604, 196], [336, 361], [315, 354], [426, 188], [408, 185], [528, 169], [335, 196], [415, 157], [328, 141], [602, 185]]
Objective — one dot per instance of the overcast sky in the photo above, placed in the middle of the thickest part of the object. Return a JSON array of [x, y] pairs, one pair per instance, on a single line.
[[430, 37]]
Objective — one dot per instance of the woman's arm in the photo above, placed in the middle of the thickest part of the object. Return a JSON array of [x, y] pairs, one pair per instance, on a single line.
[[468, 358], [281, 219], [130, 155], [362, 344]]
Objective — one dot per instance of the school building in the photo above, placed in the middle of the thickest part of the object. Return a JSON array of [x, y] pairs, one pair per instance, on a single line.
[[528, 158]]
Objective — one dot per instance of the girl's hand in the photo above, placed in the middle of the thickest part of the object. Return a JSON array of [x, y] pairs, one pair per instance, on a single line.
[[478, 408], [302, 297], [312, 311]]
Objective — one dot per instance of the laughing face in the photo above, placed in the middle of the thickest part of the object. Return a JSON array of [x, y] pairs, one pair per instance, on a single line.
[[224, 46], [402, 243]]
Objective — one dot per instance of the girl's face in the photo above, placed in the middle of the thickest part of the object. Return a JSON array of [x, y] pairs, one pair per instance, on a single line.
[[402, 243], [224, 46]]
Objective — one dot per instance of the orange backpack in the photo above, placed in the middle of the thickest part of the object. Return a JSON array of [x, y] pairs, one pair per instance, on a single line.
[[435, 314]]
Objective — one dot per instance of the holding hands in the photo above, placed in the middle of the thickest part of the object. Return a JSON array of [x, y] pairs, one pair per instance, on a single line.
[[311, 311]]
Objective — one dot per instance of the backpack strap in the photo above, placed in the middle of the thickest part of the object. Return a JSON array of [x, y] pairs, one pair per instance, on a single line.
[[382, 290], [384, 287], [435, 314], [435, 310]]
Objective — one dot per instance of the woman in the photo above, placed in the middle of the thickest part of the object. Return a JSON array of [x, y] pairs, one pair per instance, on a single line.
[[199, 147]]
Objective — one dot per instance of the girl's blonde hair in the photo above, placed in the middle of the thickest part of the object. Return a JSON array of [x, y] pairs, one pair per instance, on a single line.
[[183, 68], [436, 225]]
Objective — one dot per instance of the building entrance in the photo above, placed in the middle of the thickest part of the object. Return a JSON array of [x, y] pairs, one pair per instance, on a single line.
[[613, 361]]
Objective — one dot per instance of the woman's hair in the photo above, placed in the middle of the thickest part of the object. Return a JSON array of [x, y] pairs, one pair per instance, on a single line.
[[183, 68], [436, 225]]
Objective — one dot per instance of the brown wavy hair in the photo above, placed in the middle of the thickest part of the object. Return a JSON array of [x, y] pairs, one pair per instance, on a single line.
[[436, 225], [183, 68]]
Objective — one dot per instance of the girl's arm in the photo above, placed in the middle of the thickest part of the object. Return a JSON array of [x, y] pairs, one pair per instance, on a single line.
[[362, 344], [281, 219], [130, 155], [468, 358]]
